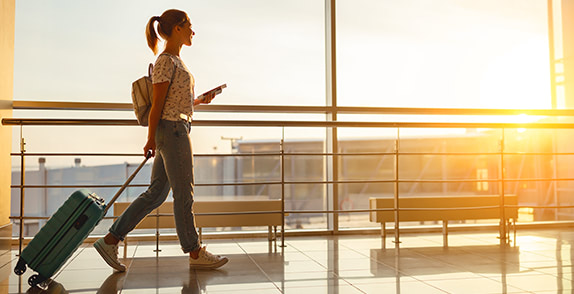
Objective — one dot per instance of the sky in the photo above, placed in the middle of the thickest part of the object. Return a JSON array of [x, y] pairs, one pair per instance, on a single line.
[[408, 53]]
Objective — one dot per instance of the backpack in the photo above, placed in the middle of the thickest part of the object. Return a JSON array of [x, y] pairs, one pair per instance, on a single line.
[[142, 95]]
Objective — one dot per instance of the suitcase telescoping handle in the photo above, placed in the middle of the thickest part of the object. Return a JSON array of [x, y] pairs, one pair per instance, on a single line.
[[125, 185]]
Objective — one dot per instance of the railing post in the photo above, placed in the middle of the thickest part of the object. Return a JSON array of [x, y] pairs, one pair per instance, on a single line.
[[282, 146], [22, 182], [157, 250], [396, 195], [502, 225], [552, 54], [332, 137]]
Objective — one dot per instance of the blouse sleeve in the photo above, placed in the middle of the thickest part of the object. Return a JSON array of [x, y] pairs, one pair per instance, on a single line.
[[163, 69]]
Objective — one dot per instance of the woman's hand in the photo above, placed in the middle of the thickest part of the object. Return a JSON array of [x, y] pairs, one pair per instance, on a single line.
[[206, 99], [149, 147]]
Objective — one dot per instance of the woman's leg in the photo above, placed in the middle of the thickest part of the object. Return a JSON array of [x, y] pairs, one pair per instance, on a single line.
[[149, 200], [178, 162]]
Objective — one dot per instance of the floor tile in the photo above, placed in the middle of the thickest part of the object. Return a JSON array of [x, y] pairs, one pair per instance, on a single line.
[[406, 287], [342, 289], [237, 286], [250, 291], [360, 280], [303, 277], [364, 274], [293, 266], [475, 285], [536, 282]]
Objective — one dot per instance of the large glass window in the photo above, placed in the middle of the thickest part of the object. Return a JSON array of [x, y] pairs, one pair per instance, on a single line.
[[268, 52], [445, 53]]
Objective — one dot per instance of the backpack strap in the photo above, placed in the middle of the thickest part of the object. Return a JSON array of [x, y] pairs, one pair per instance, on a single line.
[[172, 75], [150, 70]]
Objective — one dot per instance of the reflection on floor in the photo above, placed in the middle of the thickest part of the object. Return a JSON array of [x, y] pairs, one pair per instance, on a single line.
[[474, 263]]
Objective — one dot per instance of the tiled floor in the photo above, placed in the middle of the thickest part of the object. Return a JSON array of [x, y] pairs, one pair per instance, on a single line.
[[474, 263]]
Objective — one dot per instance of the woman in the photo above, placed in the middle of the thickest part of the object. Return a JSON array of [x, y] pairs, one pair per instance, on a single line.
[[168, 140]]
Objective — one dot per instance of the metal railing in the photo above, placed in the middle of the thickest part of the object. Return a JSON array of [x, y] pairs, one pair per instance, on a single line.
[[501, 179]]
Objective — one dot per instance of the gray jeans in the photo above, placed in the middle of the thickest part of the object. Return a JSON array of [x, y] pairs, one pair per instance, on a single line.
[[172, 168]]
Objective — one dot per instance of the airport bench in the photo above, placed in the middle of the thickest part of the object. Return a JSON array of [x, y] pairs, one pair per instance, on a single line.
[[203, 219], [454, 208]]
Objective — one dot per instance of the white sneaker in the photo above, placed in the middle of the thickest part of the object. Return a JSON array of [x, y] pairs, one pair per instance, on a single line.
[[110, 254], [207, 260]]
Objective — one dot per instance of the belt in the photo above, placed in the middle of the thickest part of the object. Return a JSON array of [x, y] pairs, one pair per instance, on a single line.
[[185, 117]]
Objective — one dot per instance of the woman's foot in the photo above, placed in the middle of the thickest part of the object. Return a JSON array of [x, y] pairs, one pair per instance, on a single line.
[[204, 259], [109, 253]]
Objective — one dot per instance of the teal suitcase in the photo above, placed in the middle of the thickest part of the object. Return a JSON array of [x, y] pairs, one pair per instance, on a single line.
[[64, 232], [59, 238]]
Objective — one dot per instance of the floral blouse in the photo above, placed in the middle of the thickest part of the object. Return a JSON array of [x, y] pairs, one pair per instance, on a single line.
[[181, 91]]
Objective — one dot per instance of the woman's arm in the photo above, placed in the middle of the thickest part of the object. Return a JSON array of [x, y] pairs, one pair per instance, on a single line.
[[159, 93]]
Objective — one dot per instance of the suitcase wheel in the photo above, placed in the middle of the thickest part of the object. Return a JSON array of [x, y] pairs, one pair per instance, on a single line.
[[35, 280], [20, 267]]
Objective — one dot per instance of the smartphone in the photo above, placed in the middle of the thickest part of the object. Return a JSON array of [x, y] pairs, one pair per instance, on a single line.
[[216, 90]]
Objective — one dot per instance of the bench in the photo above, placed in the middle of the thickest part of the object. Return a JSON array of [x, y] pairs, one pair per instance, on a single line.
[[449, 203], [202, 220]]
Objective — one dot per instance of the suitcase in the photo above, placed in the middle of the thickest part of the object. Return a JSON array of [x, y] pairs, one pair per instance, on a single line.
[[65, 231]]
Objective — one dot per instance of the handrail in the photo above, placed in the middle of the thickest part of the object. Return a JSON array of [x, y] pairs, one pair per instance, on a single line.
[[304, 154], [287, 123], [314, 182], [317, 123], [332, 211], [104, 106]]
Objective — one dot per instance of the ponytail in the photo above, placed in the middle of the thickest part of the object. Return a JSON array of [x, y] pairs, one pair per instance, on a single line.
[[151, 35], [166, 22]]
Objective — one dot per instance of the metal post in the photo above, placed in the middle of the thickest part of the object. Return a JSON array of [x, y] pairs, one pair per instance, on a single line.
[[157, 250], [127, 177], [397, 146], [22, 182], [552, 54], [331, 101], [502, 225], [282, 147], [555, 172]]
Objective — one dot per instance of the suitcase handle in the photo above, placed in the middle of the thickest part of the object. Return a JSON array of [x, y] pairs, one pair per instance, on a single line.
[[128, 181]]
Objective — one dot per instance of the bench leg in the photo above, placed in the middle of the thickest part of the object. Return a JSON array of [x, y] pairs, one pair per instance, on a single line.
[[383, 235], [383, 231], [512, 223], [445, 233], [270, 234], [275, 233], [125, 247], [514, 230], [508, 224], [200, 236]]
